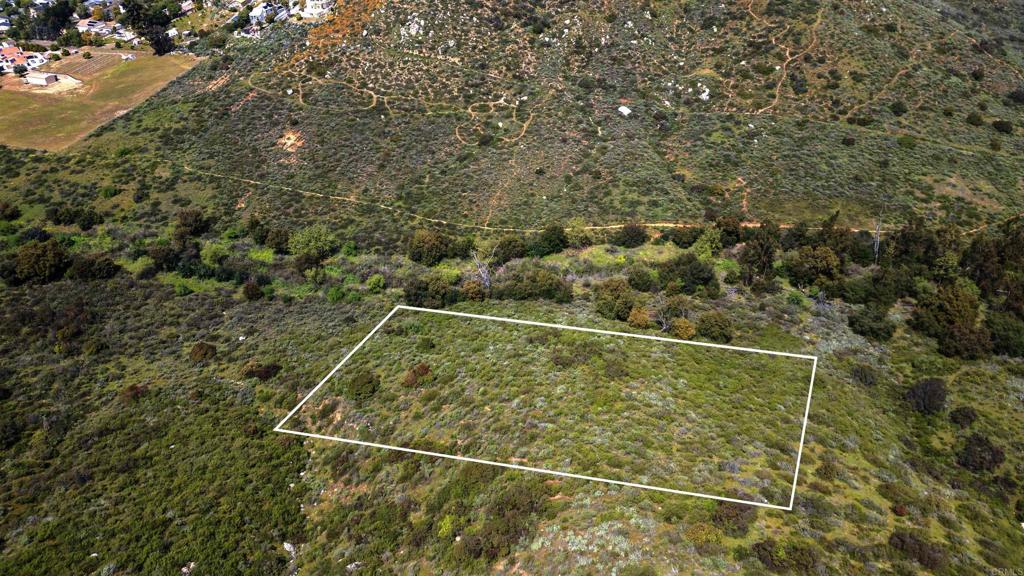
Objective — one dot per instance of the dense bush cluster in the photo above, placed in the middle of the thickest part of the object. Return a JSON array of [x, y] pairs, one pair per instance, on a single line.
[[429, 247], [928, 396], [66, 215], [925, 552], [979, 454], [795, 556], [362, 386]]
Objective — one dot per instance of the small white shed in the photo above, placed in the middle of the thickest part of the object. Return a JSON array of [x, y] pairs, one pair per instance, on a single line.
[[40, 78]]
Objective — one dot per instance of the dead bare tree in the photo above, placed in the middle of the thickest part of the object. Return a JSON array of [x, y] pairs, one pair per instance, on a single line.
[[483, 269], [878, 236]]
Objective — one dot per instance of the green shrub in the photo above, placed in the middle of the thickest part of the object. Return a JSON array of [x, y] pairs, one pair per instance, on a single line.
[[507, 517], [907, 141], [509, 248], [715, 326], [41, 262], [797, 556], [630, 236], [254, 369], [963, 416], [683, 237], [375, 283], [277, 239], [812, 266], [951, 317], [1007, 332], [66, 215], [979, 454], [1004, 126], [202, 352], [872, 322], [641, 278], [865, 375], [927, 553], [688, 274], [927, 396], [614, 299], [828, 471], [532, 282], [428, 247], [705, 537], [92, 267], [708, 245], [9, 211], [433, 291], [362, 386], [213, 254], [552, 240], [316, 241], [675, 306], [191, 222], [733, 518], [577, 235], [336, 294], [730, 230]]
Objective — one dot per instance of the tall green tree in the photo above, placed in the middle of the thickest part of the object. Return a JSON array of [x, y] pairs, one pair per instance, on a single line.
[[150, 20], [757, 260]]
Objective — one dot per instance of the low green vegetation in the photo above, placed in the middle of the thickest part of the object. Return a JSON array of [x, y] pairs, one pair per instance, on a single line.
[[607, 406], [231, 342]]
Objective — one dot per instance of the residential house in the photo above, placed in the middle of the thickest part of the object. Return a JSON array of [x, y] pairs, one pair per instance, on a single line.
[[188, 7], [87, 25], [11, 56], [37, 7], [125, 34], [266, 12], [316, 8]]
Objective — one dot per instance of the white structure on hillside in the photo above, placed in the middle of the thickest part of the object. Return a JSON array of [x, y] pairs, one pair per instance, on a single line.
[[266, 12], [40, 78], [316, 8]]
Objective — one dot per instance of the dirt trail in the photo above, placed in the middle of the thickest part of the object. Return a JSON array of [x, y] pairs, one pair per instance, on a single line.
[[415, 216]]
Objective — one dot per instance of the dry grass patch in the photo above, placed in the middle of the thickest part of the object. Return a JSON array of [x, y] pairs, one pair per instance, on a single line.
[[54, 121]]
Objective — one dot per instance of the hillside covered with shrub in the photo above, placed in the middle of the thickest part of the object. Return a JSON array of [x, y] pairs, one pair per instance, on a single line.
[[514, 115], [145, 368], [835, 179]]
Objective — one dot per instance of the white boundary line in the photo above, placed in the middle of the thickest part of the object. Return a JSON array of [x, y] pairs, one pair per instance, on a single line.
[[803, 430]]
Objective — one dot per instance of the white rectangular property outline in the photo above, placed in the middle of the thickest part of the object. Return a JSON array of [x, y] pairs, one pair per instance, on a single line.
[[803, 429]]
